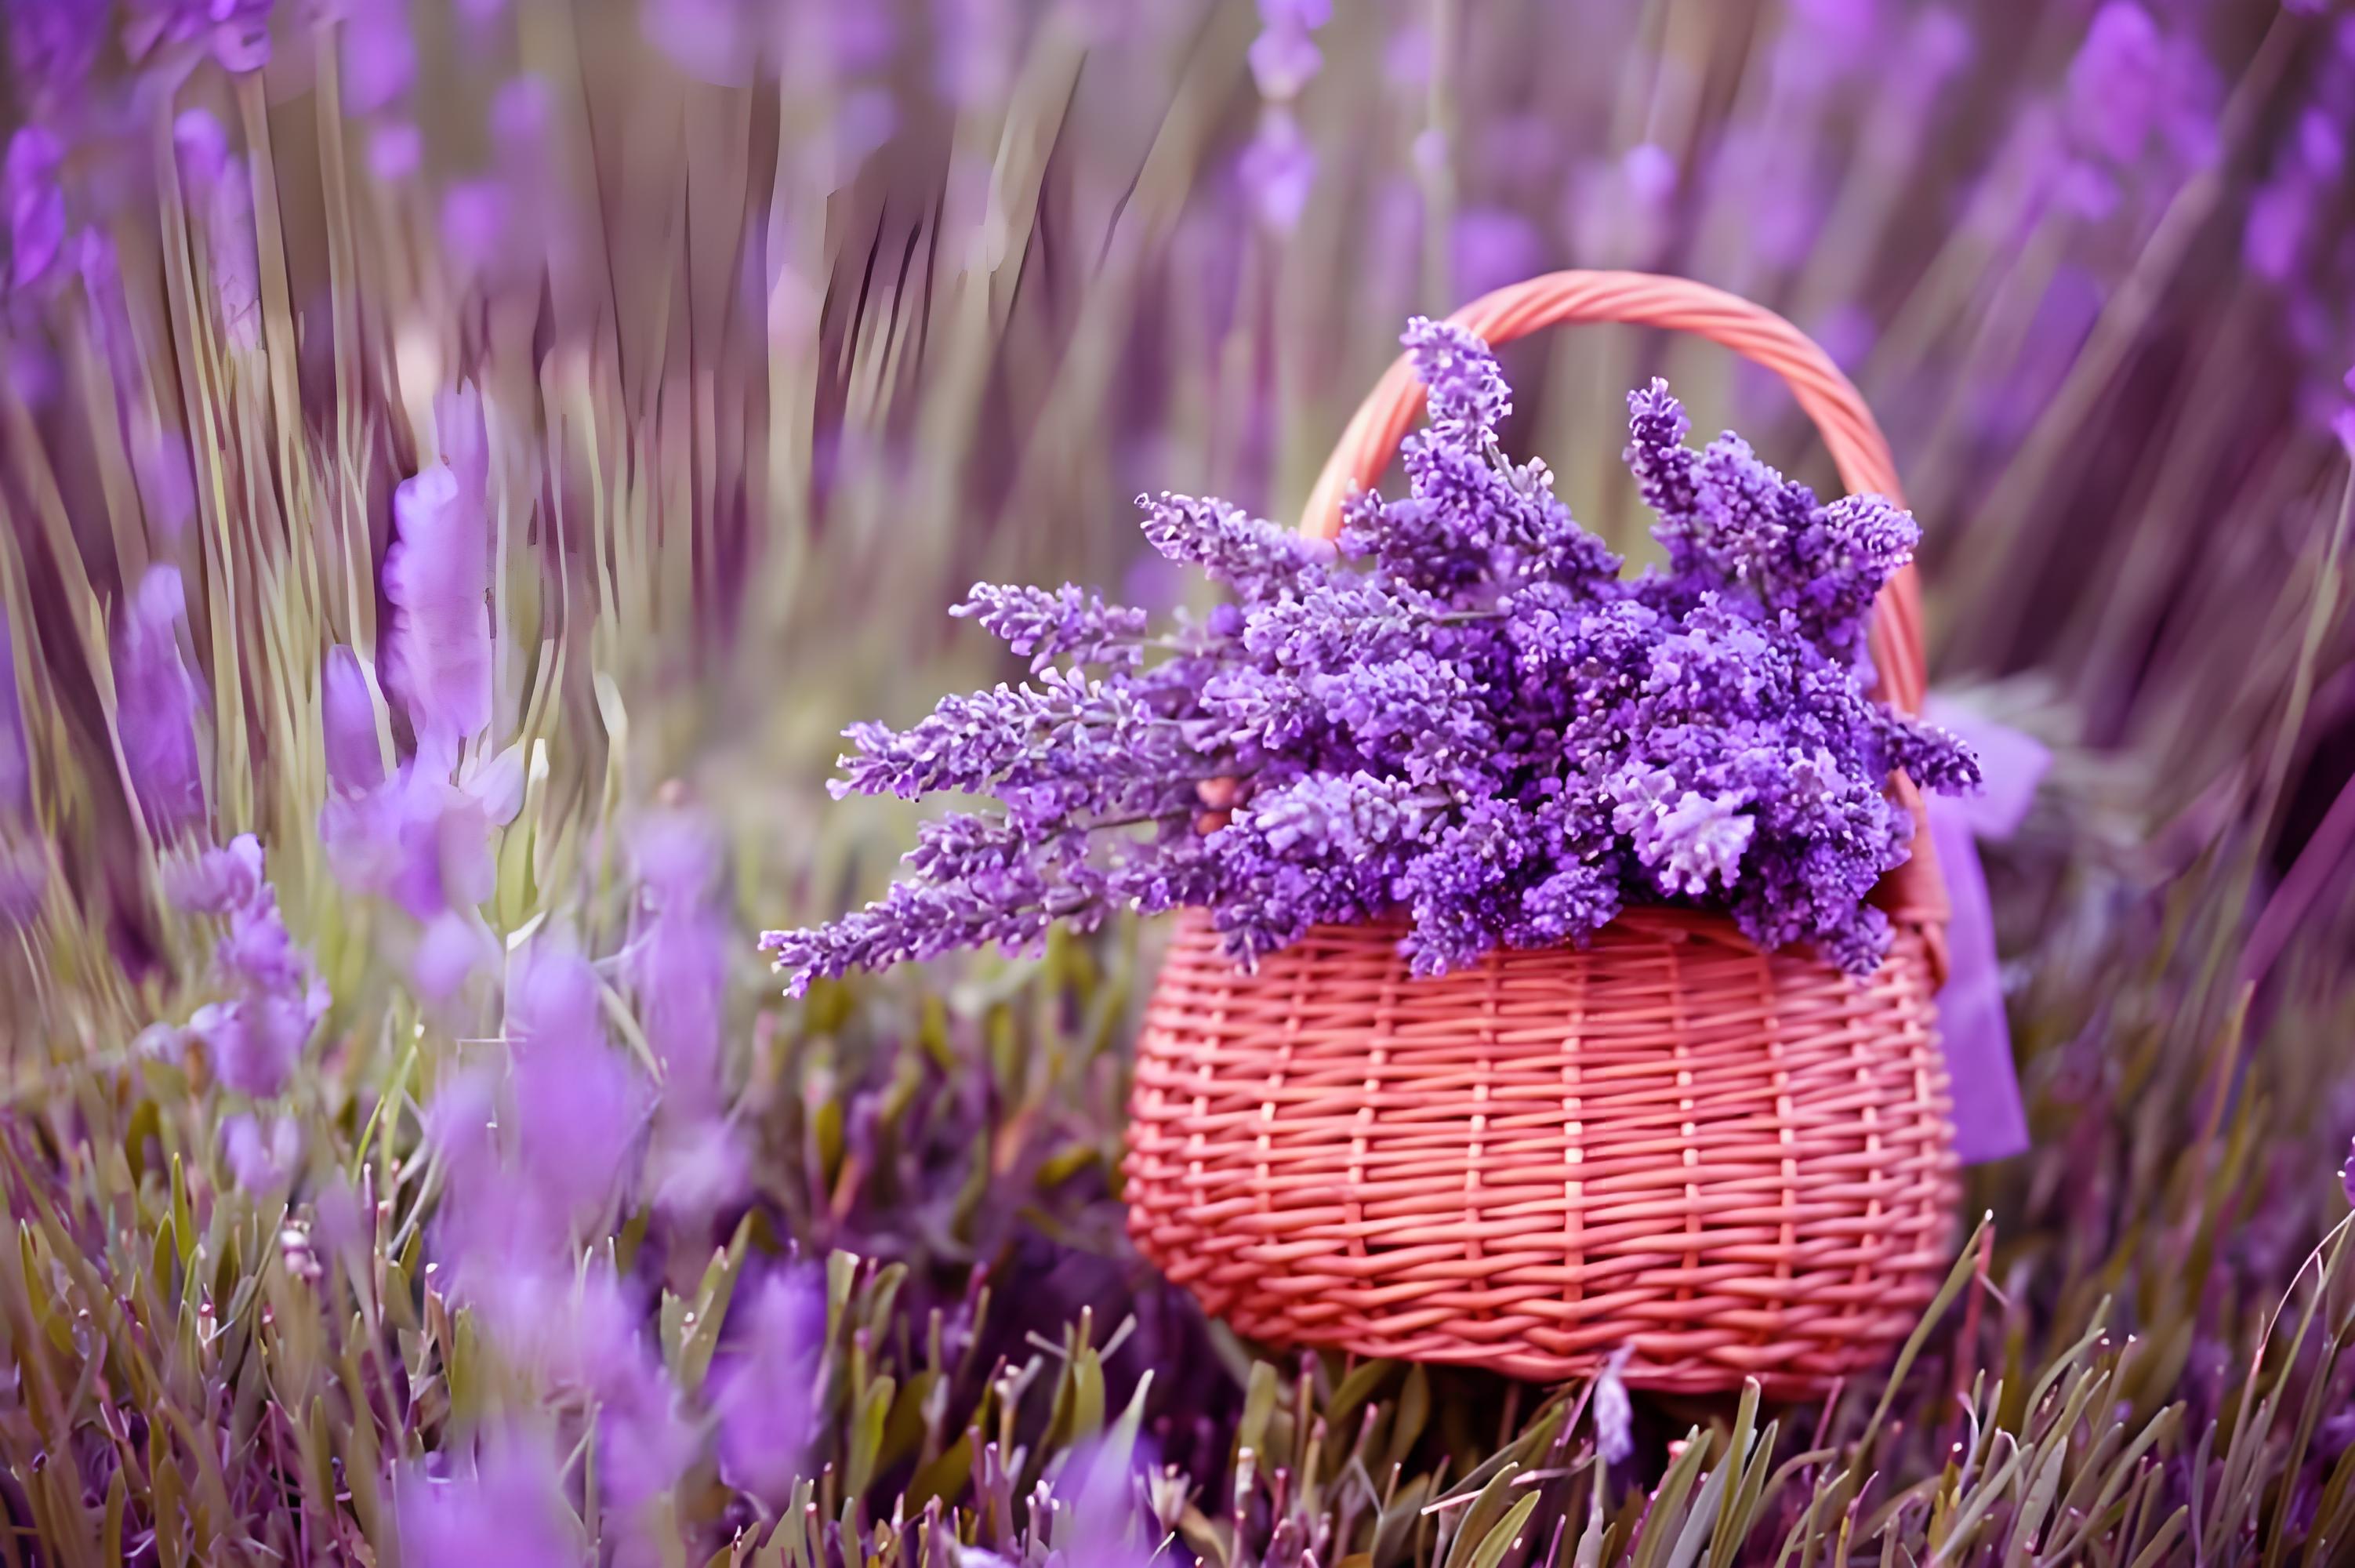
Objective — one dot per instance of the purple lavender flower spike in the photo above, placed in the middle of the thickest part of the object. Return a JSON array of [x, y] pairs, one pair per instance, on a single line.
[[1695, 844], [253, 1042], [723, 42], [2115, 81], [417, 838], [1100, 1517], [476, 227], [54, 44], [1283, 61], [1244, 552], [1064, 624], [220, 192], [452, 949], [215, 881], [155, 706], [262, 1156], [765, 1384], [36, 206], [110, 324], [201, 146], [24, 878], [1278, 171], [1613, 1415], [644, 1443], [379, 56], [679, 963], [437, 574], [166, 481], [234, 32], [579, 1103], [1489, 247], [698, 1166], [506, 1507], [255, 1039], [1465, 391], [347, 713], [396, 151], [16, 761]]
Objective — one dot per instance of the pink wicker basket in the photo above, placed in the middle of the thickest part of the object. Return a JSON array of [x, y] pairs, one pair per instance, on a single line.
[[1736, 1163]]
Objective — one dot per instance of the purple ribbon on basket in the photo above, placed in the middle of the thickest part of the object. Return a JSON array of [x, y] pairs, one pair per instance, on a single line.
[[1988, 1120]]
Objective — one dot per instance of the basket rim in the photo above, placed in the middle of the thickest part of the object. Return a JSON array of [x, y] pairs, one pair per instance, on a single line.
[[1636, 921]]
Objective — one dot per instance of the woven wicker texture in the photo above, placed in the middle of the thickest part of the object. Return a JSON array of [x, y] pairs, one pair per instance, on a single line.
[[1733, 1163]]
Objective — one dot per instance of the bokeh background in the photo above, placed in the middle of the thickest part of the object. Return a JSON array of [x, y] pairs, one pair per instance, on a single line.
[[787, 321]]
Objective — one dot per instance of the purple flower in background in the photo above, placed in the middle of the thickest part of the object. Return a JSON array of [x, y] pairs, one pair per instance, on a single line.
[[53, 44], [679, 957], [1284, 56], [216, 880], [1278, 170], [24, 878], [347, 714], [396, 151], [452, 949], [972, 46], [220, 193], [1493, 246], [578, 1331], [110, 324], [379, 56], [437, 575], [536, 1153], [156, 705], [724, 42], [1826, 42], [1613, 1415], [2118, 80], [506, 1508], [422, 838], [16, 761], [763, 1383], [579, 1104], [1099, 1518], [519, 122], [644, 1440], [697, 1166], [1620, 213], [2281, 222], [421, 835], [37, 205], [476, 226], [235, 32], [255, 1037], [168, 485], [262, 1154], [201, 145]]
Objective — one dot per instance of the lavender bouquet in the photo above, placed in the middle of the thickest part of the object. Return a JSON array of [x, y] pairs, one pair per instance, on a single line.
[[1463, 711]]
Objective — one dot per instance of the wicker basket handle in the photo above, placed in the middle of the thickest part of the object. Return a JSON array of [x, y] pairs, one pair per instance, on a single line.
[[1644, 299], [1915, 890]]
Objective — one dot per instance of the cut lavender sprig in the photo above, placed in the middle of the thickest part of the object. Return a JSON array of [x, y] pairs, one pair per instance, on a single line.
[[1467, 714]]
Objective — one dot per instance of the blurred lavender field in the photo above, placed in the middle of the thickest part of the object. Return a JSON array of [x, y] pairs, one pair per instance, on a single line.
[[411, 1159]]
